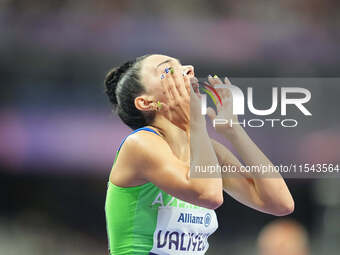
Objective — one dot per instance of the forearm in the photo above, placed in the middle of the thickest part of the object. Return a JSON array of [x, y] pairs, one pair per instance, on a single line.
[[202, 155], [270, 186], [250, 153]]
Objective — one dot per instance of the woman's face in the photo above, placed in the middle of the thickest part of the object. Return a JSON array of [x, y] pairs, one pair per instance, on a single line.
[[152, 66]]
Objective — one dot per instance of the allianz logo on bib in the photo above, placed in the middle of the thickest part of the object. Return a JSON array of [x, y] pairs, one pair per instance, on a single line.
[[192, 219]]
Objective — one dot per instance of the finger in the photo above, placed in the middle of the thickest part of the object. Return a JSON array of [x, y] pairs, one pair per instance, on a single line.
[[217, 98], [194, 83], [165, 86], [216, 82], [211, 114], [187, 84], [172, 87], [227, 81], [177, 75], [193, 93], [228, 84]]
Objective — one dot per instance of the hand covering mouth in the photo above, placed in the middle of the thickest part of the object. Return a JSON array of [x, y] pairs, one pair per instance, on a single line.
[[194, 83]]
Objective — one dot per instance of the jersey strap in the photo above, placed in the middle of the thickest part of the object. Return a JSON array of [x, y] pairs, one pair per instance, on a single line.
[[135, 131]]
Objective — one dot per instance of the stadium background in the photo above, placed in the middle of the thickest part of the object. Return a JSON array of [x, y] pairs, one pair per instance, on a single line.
[[58, 136]]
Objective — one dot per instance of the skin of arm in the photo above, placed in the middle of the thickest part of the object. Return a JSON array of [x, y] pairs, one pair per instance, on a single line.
[[202, 154], [266, 192], [170, 174]]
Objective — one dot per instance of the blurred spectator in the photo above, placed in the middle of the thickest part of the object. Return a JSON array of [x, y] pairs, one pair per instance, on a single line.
[[283, 237]]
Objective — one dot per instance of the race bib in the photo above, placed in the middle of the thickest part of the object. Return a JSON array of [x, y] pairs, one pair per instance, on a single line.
[[183, 230]]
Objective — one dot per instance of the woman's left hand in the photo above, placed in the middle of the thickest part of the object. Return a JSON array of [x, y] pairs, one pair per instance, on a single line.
[[224, 121]]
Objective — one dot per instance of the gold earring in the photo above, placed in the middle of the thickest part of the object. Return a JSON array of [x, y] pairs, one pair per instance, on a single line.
[[158, 106]]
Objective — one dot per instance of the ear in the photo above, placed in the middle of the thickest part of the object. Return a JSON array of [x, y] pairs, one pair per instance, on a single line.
[[145, 103]]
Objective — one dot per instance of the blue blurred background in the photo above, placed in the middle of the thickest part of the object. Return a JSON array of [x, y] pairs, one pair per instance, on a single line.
[[58, 135]]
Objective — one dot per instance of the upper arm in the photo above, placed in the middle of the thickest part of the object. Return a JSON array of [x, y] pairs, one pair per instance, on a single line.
[[154, 161]]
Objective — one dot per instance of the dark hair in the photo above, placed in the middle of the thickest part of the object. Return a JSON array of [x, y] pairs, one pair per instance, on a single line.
[[123, 85]]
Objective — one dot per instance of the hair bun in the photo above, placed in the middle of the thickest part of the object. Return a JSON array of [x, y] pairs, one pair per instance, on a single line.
[[112, 79]]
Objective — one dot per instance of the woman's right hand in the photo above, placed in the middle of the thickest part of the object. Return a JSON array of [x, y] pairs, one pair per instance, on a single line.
[[182, 105]]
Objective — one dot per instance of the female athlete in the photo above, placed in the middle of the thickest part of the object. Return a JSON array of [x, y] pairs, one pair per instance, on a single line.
[[152, 205]]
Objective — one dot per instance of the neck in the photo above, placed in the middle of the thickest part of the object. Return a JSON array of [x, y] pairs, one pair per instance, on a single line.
[[173, 135]]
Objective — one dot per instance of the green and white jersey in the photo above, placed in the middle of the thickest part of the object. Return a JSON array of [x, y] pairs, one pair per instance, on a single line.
[[146, 220]]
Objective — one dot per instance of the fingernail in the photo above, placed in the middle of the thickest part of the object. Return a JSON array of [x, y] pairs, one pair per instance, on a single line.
[[162, 76], [172, 70], [215, 76], [166, 70], [209, 76]]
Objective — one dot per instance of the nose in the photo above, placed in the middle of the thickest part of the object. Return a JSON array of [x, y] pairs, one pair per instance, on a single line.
[[189, 70]]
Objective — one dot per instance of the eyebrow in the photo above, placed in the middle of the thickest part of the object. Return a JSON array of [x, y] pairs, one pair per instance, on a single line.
[[167, 61]]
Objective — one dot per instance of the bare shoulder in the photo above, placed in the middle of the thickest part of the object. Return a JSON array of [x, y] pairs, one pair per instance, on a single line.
[[140, 151], [145, 143]]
